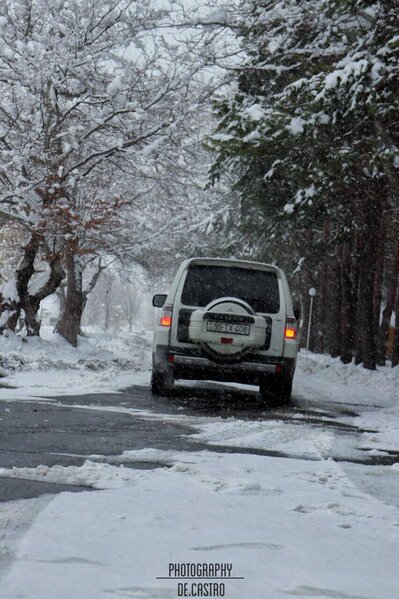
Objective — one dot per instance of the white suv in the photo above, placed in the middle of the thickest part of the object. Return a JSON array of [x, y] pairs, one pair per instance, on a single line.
[[226, 320]]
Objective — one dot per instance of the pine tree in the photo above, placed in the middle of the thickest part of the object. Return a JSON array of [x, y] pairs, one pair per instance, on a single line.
[[312, 135]]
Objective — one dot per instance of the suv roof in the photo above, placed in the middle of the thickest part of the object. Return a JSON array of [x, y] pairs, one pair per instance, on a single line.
[[232, 262]]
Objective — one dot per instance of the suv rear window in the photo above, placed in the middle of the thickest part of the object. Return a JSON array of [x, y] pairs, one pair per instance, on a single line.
[[259, 288]]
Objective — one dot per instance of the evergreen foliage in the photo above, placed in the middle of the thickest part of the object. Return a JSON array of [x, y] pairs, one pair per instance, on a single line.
[[312, 137]]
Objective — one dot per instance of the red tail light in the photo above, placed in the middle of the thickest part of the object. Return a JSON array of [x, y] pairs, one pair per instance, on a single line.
[[166, 317], [290, 328], [290, 333], [165, 321]]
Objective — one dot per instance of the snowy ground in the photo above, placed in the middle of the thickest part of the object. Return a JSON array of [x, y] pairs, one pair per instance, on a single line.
[[291, 529], [50, 366], [303, 527]]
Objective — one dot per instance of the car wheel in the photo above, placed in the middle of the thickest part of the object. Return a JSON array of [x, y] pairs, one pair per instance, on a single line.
[[276, 391], [161, 383]]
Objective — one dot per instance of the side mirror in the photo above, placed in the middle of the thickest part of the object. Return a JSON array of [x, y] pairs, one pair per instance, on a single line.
[[158, 300], [297, 313]]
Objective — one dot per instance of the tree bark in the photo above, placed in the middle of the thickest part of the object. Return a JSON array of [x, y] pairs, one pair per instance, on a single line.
[[10, 308], [31, 303], [68, 324], [69, 320], [335, 309], [347, 327], [367, 269], [320, 336], [379, 277], [305, 294], [389, 306], [61, 297], [349, 296], [395, 349], [357, 337]]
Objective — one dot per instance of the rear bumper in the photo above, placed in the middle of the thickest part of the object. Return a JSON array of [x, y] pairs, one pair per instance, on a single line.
[[188, 367], [192, 365]]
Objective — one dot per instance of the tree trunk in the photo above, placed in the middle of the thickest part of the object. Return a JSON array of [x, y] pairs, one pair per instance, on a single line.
[[31, 303], [61, 297], [379, 277], [349, 295], [357, 337], [320, 336], [389, 306], [335, 308], [31, 309], [305, 295], [69, 321], [395, 349], [346, 304], [10, 307], [106, 317], [367, 269], [68, 324]]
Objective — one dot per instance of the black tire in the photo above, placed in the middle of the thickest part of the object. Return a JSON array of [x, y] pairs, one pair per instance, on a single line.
[[276, 391], [161, 383]]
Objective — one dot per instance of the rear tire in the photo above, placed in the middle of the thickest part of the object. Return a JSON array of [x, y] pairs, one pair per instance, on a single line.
[[161, 383], [276, 391]]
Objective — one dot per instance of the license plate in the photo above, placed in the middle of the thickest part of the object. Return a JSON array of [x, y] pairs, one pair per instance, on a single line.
[[225, 327]]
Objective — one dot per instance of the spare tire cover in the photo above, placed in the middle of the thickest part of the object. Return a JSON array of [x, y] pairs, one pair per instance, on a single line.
[[221, 353]]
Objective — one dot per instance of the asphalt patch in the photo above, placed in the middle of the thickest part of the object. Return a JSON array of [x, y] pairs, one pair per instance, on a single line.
[[17, 488], [68, 430]]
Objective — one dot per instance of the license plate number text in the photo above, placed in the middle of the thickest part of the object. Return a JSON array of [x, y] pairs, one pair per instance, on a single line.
[[225, 327]]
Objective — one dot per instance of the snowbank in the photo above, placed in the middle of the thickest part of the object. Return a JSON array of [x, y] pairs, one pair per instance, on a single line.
[[50, 366], [384, 380]]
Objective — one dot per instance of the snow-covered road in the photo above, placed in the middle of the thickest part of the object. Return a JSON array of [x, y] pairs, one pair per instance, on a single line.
[[299, 502]]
